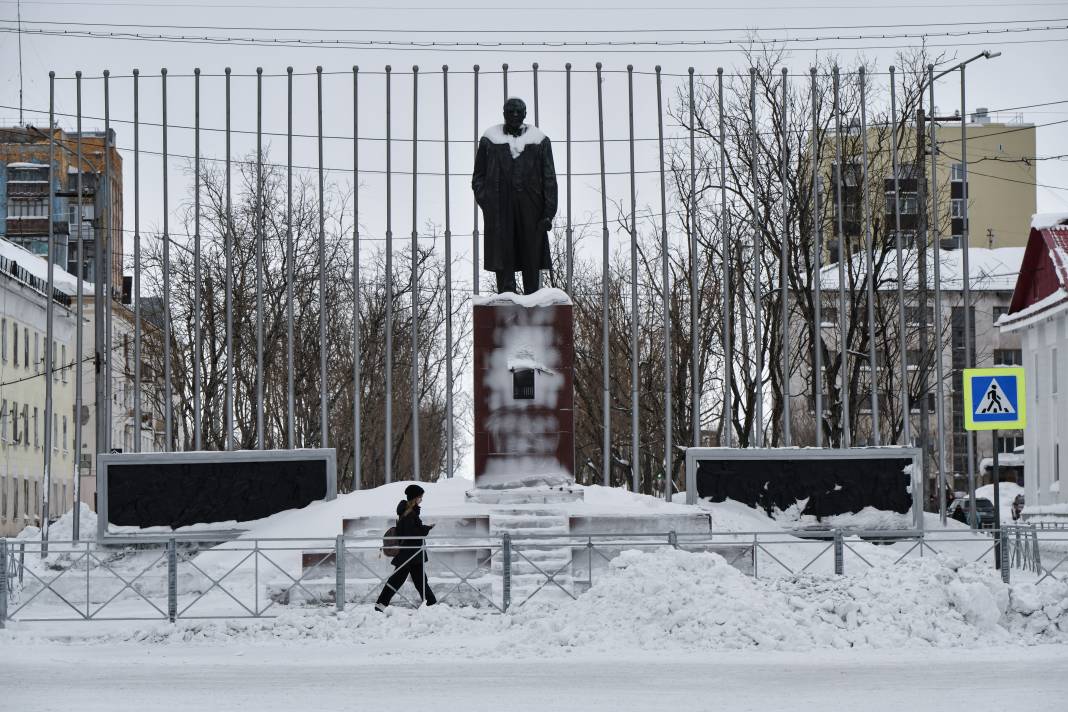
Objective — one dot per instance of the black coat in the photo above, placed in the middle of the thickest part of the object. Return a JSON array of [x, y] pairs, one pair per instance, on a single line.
[[516, 194], [409, 525]]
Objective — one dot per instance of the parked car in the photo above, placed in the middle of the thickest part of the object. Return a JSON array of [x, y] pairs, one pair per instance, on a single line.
[[960, 509]]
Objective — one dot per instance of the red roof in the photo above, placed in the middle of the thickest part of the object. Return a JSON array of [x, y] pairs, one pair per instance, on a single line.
[[1044, 271]]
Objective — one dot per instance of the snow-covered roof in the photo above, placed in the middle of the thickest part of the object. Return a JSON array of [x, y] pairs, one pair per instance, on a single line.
[[24, 164], [990, 270], [1043, 221], [64, 281], [1042, 287]]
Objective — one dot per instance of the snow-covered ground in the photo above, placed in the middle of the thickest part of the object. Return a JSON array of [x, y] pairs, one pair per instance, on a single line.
[[352, 676]]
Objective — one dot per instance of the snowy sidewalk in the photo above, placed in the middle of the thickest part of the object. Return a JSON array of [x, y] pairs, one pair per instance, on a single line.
[[328, 676]]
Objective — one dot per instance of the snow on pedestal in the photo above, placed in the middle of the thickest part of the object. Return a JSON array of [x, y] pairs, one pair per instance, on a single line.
[[524, 396]]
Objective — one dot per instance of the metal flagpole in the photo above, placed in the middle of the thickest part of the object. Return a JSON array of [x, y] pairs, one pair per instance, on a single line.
[[357, 352], [167, 387], [758, 248], [817, 269], [474, 201], [100, 284], [504, 80], [415, 274], [80, 272], [259, 258], [727, 436], [665, 279], [389, 283], [109, 285], [324, 396], [606, 396], [903, 357], [569, 232], [635, 445], [695, 368], [449, 433], [198, 348], [940, 421], [229, 284], [49, 321], [843, 336], [784, 272], [290, 257], [869, 261], [537, 116], [969, 346]]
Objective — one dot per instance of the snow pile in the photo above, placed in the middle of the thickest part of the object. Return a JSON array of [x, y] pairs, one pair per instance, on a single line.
[[62, 530], [676, 600], [1009, 490]]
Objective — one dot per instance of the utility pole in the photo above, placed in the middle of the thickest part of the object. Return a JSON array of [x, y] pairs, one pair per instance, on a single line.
[[921, 243]]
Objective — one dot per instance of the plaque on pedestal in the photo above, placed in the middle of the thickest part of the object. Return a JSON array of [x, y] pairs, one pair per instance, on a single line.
[[524, 396]]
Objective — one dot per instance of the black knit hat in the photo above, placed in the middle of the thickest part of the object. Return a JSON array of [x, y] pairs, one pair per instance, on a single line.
[[413, 491]]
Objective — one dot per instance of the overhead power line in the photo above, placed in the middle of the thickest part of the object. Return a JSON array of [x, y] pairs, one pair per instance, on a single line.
[[663, 46], [357, 7], [538, 31]]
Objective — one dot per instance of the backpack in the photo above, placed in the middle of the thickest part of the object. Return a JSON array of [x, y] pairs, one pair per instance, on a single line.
[[390, 544]]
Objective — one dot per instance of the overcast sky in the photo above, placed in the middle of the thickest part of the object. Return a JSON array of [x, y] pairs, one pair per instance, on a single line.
[[1025, 74]]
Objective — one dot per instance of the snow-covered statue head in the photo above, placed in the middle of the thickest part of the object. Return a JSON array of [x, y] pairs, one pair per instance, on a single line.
[[514, 182]]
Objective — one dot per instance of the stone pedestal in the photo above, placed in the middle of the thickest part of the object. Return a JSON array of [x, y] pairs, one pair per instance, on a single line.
[[524, 396]]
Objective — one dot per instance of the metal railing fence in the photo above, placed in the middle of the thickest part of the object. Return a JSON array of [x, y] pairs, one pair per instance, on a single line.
[[172, 579]]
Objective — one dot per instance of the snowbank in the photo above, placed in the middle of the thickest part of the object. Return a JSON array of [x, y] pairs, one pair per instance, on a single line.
[[675, 600], [1009, 490]]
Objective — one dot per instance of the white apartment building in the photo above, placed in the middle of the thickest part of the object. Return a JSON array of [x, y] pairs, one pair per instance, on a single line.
[[23, 304]]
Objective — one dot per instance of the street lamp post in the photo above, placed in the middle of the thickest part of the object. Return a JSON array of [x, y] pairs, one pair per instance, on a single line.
[[969, 355]]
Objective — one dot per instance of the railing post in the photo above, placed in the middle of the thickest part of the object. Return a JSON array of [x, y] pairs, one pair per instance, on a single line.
[[506, 571], [673, 539], [839, 553], [339, 572], [5, 579], [172, 581], [755, 572], [1003, 554], [1034, 550]]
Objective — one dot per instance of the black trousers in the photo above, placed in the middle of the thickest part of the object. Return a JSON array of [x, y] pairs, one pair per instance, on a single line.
[[413, 569], [506, 281]]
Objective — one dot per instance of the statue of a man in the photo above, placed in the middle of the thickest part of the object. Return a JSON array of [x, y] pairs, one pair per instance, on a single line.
[[515, 185]]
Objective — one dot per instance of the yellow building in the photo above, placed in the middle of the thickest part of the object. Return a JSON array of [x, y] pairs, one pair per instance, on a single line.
[[1001, 184]]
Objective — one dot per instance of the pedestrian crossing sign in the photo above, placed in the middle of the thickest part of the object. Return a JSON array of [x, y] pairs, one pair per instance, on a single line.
[[994, 399]]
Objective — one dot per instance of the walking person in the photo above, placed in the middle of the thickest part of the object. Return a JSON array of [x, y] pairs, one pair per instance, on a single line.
[[412, 554]]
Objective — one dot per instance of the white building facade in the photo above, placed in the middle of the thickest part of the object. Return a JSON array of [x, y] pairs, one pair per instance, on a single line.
[[1039, 316]]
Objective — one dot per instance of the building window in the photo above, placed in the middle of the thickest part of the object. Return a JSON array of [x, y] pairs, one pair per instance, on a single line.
[[63, 361], [36, 352], [27, 207], [26, 347], [3, 496], [1007, 444], [956, 208], [15, 341], [1053, 371], [913, 315], [3, 422], [956, 171], [1056, 462], [65, 433], [55, 431], [3, 340], [1038, 378], [15, 422], [25, 497], [1000, 312], [1008, 357], [36, 429], [25, 426]]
